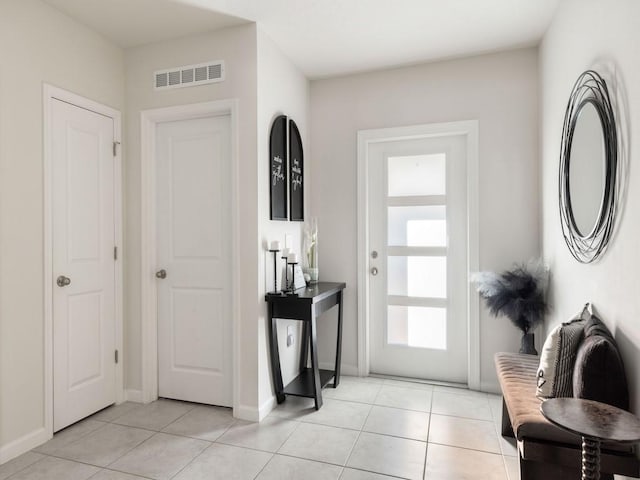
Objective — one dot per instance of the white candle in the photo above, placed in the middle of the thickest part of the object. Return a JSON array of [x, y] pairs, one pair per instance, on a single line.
[[292, 258], [285, 252], [275, 245]]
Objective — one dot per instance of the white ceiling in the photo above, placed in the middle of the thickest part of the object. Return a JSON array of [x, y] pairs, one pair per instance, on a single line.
[[129, 23], [332, 37]]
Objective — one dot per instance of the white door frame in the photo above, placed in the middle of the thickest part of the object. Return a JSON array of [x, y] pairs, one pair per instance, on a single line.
[[49, 94], [149, 291], [469, 129]]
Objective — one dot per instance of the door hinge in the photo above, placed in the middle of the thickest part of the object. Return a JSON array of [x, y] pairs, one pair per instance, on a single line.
[[116, 356], [115, 253], [115, 148]]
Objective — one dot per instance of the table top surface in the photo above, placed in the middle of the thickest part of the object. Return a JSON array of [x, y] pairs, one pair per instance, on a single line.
[[592, 419], [311, 293]]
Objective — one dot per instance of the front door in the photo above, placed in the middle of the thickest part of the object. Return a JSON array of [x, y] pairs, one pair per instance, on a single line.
[[83, 233], [418, 258], [193, 173]]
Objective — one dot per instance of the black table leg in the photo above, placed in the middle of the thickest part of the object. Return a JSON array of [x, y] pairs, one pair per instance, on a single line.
[[304, 346], [336, 378], [317, 387], [590, 459], [276, 371]]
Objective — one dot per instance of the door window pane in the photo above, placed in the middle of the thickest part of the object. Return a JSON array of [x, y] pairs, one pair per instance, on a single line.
[[424, 226], [417, 175], [417, 276], [419, 327]]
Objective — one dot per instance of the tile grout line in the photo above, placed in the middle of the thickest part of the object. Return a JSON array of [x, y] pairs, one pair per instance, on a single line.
[[359, 434], [426, 450], [290, 455], [192, 460], [154, 433], [118, 458], [273, 454], [44, 456], [360, 469], [358, 438], [64, 459], [118, 471], [297, 422], [104, 424], [466, 448], [265, 465], [131, 449], [499, 435]]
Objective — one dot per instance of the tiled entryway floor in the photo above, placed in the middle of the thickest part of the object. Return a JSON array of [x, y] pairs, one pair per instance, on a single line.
[[368, 429]]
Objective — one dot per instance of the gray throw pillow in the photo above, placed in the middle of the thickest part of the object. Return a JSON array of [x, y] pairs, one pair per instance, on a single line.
[[557, 359], [599, 371]]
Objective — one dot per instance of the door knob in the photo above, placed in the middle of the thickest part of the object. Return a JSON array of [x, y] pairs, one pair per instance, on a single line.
[[161, 273], [63, 281], [374, 271]]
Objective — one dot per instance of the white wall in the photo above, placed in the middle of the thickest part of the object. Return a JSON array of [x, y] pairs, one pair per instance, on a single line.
[[37, 45], [499, 90], [266, 84], [605, 36], [282, 90], [237, 47]]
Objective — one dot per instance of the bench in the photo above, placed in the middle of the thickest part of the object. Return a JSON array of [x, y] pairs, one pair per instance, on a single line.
[[547, 452]]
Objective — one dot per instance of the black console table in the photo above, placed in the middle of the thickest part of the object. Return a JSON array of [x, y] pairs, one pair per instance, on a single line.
[[306, 305]]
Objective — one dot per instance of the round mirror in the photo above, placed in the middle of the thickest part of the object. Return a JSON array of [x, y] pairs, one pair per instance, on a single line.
[[587, 169]]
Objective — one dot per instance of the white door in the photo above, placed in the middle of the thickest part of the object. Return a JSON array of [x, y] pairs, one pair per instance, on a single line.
[[418, 258], [193, 175], [83, 233]]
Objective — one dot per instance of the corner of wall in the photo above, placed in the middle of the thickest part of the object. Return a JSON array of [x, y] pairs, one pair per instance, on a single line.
[[281, 89]]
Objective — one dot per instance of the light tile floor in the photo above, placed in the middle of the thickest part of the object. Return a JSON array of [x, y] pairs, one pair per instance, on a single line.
[[368, 429]]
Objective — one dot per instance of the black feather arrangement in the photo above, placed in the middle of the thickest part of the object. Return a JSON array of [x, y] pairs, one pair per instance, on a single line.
[[519, 293]]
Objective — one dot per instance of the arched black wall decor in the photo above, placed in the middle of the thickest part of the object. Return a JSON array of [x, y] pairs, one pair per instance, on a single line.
[[278, 169], [296, 174], [587, 244]]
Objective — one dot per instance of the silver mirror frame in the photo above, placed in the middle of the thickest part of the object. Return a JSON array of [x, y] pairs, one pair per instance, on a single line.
[[589, 88]]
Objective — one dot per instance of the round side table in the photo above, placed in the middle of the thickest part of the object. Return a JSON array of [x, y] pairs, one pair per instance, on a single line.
[[594, 422]]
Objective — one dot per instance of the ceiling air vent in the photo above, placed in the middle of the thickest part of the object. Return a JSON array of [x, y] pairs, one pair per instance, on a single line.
[[189, 75]]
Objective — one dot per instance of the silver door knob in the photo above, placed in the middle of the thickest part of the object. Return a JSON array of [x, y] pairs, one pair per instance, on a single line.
[[161, 273], [374, 271], [63, 281]]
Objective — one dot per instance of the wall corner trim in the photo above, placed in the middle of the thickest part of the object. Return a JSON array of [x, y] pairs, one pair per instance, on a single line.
[[253, 414], [135, 396]]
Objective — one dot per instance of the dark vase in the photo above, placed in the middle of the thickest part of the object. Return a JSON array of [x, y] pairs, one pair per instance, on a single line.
[[526, 344]]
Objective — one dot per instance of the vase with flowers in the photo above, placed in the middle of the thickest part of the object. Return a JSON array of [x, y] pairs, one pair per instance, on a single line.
[[520, 295], [311, 249]]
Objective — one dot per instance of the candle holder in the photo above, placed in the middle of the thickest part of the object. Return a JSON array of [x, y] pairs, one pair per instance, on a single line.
[[275, 273], [289, 290], [286, 275]]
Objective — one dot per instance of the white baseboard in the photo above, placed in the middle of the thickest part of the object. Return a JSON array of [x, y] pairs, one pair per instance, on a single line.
[[266, 408], [133, 396], [244, 412], [490, 387], [351, 370], [23, 444], [252, 414]]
